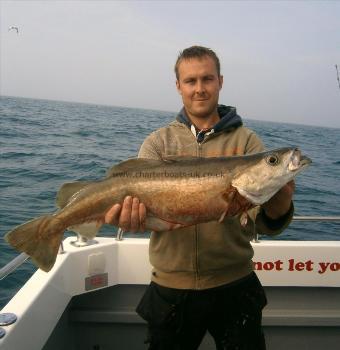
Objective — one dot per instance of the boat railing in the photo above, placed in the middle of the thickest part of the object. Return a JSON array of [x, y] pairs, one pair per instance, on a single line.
[[316, 218], [305, 218], [21, 258], [13, 265]]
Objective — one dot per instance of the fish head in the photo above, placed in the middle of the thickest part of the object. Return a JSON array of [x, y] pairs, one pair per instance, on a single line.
[[266, 173]]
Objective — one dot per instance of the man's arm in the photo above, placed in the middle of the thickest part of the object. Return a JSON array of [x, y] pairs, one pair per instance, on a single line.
[[279, 205], [275, 215]]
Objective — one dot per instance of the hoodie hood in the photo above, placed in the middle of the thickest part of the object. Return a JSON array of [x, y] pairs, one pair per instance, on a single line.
[[229, 118]]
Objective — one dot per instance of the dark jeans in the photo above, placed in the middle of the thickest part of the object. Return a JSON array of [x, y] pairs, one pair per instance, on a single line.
[[178, 319]]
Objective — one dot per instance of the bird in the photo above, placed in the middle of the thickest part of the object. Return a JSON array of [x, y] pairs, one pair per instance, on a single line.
[[14, 28]]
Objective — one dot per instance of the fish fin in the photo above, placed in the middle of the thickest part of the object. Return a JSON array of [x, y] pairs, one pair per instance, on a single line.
[[174, 158], [133, 164], [39, 238], [68, 190], [244, 219], [87, 229], [138, 164], [223, 214]]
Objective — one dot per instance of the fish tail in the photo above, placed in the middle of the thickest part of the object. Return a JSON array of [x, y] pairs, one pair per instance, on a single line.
[[40, 239]]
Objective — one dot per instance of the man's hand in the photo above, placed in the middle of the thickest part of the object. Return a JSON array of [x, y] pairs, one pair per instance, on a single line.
[[130, 216], [279, 204]]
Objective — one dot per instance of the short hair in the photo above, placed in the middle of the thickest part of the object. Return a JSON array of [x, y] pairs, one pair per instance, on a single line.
[[197, 52]]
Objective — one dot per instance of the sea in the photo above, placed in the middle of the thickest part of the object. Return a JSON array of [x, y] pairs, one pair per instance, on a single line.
[[46, 143]]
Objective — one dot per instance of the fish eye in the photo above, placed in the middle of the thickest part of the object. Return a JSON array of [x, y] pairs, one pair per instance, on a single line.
[[272, 159]]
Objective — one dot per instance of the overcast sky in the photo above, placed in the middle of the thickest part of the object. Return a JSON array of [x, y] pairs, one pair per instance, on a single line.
[[278, 58]]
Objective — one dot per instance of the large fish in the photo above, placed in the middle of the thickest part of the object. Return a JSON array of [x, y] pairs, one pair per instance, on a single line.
[[177, 192]]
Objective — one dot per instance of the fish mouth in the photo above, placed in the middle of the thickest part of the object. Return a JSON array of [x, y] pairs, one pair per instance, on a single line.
[[298, 161], [304, 161]]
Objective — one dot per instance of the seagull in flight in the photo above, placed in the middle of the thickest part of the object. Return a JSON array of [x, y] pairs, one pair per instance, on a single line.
[[14, 28]]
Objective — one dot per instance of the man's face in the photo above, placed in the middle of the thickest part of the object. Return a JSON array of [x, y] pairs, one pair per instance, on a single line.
[[199, 85]]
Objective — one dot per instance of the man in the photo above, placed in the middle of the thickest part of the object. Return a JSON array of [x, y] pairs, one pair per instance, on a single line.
[[203, 277]]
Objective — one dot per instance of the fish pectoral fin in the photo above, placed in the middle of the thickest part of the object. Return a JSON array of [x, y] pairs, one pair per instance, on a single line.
[[224, 214], [87, 229], [244, 219], [153, 223], [68, 190]]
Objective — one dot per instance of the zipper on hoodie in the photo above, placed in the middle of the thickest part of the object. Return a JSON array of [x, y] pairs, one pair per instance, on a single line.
[[198, 277], [197, 282], [199, 154]]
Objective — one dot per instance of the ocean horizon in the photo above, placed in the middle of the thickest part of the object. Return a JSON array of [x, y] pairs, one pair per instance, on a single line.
[[255, 119]]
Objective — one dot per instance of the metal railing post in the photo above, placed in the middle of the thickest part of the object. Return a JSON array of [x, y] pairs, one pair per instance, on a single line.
[[120, 233]]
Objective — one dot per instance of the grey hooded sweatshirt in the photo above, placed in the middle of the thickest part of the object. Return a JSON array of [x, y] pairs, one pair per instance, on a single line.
[[210, 254]]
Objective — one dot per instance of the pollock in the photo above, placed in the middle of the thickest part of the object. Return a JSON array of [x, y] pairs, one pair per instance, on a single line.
[[177, 192]]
